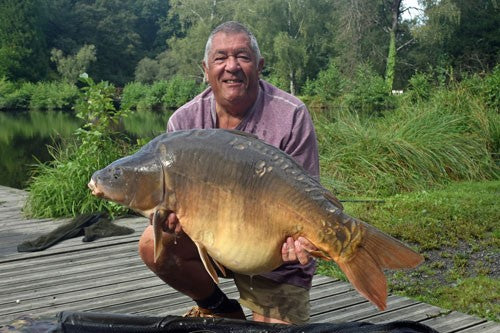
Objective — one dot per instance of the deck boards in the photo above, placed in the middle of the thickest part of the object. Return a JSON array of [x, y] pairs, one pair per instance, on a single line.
[[107, 275]]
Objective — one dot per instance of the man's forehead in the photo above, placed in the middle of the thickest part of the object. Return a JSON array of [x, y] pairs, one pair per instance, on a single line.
[[223, 42]]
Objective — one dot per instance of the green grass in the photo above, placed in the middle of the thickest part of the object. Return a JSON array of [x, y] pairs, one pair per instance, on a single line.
[[450, 137], [456, 229]]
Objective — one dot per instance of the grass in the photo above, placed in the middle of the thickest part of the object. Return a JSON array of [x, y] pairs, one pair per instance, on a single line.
[[456, 229]]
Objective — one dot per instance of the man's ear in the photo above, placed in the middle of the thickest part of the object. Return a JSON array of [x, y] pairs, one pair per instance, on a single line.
[[260, 65], [205, 71]]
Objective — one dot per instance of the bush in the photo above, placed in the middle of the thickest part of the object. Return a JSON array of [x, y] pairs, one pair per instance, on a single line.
[[53, 95], [328, 86], [132, 94], [368, 93], [161, 95], [414, 147], [59, 188], [180, 91], [420, 87]]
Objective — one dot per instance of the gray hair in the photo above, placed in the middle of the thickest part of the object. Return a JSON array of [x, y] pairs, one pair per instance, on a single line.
[[232, 27]]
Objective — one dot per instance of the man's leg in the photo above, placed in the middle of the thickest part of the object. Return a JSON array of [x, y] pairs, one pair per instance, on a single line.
[[180, 267]]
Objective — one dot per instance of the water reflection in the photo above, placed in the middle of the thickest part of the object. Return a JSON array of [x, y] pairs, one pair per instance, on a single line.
[[24, 137]]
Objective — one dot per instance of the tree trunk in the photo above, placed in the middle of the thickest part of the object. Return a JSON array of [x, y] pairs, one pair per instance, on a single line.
[[391, 56]]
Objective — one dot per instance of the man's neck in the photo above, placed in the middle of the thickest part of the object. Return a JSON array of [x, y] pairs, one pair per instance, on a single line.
[[229, 119]]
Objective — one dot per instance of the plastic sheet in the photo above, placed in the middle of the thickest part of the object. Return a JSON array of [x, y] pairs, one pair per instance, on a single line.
[[88, 322]]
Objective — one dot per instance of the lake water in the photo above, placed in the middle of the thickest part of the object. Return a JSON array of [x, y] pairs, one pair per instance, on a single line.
[[26, 138]]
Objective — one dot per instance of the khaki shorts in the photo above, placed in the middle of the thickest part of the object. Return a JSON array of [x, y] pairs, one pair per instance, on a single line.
[[272, 299]]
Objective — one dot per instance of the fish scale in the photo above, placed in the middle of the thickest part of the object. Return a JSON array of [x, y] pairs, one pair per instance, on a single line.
[[238, 199]]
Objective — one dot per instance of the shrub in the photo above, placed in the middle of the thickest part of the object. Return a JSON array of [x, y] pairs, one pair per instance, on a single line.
[[179, 91], [414, 147], [59, 188], [52, 95], [132, 95], [161, 95], [368, 93], [420, 87], [328, 86]]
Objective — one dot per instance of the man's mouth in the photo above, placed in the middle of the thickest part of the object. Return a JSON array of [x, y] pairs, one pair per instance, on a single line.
[[232, 81]]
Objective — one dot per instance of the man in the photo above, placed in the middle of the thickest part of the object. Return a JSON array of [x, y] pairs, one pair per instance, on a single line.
[[238, 99]]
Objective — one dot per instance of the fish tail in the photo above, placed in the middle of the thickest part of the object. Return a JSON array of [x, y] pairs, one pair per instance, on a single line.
[[364, 266]]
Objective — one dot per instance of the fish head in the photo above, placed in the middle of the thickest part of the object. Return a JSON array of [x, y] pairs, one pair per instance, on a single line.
[[135, 181]]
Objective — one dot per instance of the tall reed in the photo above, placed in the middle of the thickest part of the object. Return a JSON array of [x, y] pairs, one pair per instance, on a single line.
[[414, 147]]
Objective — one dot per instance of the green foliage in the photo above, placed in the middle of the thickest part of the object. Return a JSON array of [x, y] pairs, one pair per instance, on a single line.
[[413, 147], [95, 106], [460, 212], [491, 90], [59, 188], [70, 67], [161, 95], [23, 53], [420, 87], [368, 93], [329, 84], [51, 95], [39, 96], [477, 295]]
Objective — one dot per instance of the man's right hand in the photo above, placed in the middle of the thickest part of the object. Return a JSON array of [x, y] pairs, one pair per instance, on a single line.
[[171, 224]]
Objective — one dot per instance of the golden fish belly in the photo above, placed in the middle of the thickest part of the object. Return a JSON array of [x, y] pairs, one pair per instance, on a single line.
[[239, 229]]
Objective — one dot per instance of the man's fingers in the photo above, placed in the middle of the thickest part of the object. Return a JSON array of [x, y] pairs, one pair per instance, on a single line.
[[301, 253], [288, 250], [306, 244]]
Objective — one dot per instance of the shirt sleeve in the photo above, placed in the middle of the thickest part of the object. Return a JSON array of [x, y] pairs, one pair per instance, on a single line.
[[302, 144]]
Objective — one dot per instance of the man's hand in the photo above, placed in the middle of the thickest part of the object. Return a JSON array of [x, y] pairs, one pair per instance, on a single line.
[[297, 250], [171, 224]]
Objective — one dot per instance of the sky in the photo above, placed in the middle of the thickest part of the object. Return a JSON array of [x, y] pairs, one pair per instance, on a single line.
[[411, 13]]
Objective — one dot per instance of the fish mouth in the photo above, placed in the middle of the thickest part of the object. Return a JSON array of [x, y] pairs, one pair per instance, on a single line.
[[93, 187]]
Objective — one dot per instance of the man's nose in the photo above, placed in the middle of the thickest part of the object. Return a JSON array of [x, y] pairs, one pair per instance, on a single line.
[[232, 64]]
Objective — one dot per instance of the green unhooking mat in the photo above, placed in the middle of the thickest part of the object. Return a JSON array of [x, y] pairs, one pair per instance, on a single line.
[[91, 226]]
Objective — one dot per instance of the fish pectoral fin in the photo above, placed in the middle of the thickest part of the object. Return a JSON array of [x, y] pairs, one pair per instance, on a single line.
[[159, 216], [205, 259], [319, 254], [220, 267]]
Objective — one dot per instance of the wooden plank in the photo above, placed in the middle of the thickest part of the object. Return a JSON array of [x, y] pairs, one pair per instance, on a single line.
[[414, 312], [453, 322], [487, 327]]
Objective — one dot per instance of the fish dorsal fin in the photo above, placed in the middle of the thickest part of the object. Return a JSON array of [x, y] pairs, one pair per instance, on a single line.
[[328, 195], [205, 259], [159, 216], [245, 134]]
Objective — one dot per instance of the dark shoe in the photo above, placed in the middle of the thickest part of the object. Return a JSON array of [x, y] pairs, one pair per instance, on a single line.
[[200, 312]]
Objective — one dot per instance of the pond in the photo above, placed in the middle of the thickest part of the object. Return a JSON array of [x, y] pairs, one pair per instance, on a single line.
[[26, 138]]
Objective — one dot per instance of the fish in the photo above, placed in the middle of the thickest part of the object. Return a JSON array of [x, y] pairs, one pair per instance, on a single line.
[[239, 198]]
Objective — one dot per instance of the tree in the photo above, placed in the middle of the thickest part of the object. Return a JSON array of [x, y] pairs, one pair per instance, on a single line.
[[23, 54], [70, 67]]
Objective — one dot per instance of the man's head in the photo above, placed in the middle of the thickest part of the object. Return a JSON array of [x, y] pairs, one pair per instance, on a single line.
[[232, 65]]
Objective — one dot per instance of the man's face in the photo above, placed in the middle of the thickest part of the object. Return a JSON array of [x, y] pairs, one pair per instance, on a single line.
[[233, 70]]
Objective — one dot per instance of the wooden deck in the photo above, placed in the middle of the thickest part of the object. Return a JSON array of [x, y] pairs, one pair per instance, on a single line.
[[107, 276]]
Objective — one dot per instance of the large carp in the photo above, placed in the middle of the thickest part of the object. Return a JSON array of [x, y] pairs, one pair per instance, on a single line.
[[239, 198]]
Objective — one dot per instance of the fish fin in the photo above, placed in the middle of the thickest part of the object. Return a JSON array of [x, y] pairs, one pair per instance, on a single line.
[[366, 277], [205, 259], [159, 216], [376, 252], [220, 267], [333, 199], [319, 254]]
